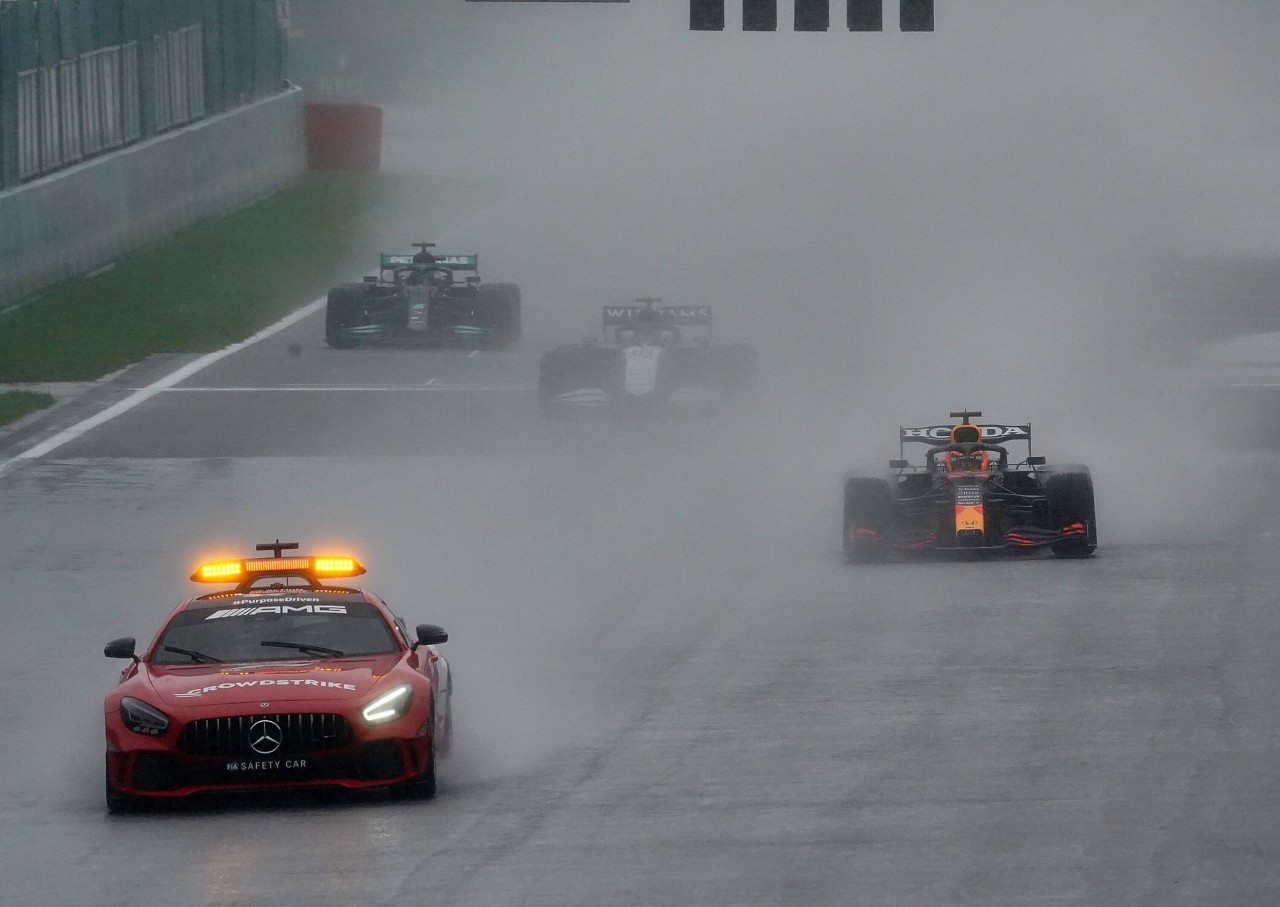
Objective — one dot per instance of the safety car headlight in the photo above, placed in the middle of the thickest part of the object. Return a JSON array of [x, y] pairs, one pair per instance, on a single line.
[[390, 705], [142, 718]]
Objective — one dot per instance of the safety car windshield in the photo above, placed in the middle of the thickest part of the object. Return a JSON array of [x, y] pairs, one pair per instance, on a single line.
[[274, 631]]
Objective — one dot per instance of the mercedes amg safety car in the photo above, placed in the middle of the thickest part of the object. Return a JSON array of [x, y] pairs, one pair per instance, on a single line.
[[286, 680], [646, 363], [969, 495], [418, 300]]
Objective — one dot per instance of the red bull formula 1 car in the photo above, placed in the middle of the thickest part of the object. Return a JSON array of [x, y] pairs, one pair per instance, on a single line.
[[286, 680], [969, 496]]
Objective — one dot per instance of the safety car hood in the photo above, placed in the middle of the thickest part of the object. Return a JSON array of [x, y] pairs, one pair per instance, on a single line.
[[330, 680]]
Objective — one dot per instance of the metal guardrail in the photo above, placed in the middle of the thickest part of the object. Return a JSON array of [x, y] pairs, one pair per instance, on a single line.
[[82, 77]]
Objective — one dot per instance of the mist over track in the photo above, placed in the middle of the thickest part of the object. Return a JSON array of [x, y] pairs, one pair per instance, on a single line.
[[670, 689]]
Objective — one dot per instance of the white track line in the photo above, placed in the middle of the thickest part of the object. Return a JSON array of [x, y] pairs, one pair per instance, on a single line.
[[142, 395], [351, 388]]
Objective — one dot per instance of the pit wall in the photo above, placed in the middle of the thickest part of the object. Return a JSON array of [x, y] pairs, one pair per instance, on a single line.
[[80, 219]]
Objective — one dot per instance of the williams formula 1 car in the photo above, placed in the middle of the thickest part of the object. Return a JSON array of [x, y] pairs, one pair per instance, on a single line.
[[969, 496], [646, 363], [418, 300], [285, 681]]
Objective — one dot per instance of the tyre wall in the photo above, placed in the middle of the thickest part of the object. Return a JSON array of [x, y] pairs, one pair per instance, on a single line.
[[82, 218], [343, 135]]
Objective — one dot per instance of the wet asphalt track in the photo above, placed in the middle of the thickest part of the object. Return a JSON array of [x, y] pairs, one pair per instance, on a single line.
[[670, 689]]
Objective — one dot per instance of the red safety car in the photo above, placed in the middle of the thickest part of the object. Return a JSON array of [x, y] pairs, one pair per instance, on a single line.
[[287, 680]]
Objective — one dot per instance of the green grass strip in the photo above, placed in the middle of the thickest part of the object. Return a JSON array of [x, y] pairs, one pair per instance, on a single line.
[[16, 404], [223, 280]]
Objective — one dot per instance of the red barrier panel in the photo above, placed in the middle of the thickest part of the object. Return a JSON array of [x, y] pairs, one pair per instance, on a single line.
[[343, 135]]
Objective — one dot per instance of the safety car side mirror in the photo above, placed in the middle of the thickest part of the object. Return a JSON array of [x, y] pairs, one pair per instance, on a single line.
[[430, 635], [121, 648], [1035, 461], [370, 278], [898, 464]]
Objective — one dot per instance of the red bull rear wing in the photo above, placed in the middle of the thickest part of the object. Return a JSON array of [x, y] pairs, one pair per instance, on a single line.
[[992, 433], [941, 434]]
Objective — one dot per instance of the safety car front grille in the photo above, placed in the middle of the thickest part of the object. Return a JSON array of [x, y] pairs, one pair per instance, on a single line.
[[258, 736]]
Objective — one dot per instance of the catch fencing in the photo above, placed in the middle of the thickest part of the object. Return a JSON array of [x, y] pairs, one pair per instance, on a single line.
[[79, 78]]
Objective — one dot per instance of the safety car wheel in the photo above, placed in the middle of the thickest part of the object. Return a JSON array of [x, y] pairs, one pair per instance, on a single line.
[[1070, 496], [443, 735], [866, 507], [446, 737], [422, 787], [118, 803]]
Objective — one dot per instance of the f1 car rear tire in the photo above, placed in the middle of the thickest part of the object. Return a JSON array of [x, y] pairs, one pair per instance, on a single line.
[[867, 507], [346, 302], [422, 787], [577, 367], [549, 384], [501, 302], [1070, 496], [570, 368], [554, 376]]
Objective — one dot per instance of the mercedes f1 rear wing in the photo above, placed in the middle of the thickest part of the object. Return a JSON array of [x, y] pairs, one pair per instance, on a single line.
[[451, 262]]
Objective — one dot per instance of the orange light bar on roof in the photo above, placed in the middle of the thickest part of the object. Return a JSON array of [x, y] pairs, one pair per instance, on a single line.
[[336, 566], [277, 564], [236, 571], [219, 572]]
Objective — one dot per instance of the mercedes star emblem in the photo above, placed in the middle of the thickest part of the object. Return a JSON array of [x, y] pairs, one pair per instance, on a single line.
[[265, 736]]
